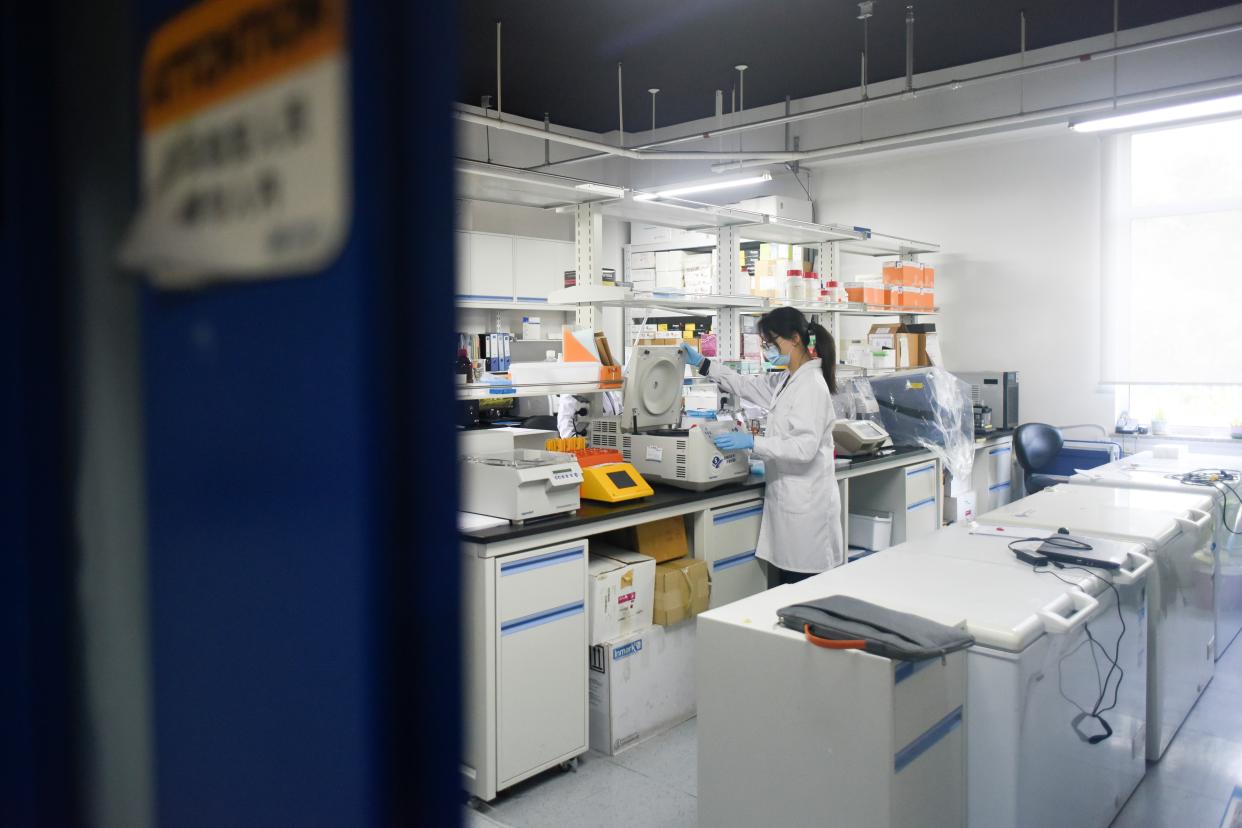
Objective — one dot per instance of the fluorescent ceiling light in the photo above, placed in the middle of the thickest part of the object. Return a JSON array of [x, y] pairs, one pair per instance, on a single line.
[[704, 187], [1163, 115], [604, 189]]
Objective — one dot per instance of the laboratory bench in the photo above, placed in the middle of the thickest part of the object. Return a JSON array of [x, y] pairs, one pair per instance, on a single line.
[[525, 619]]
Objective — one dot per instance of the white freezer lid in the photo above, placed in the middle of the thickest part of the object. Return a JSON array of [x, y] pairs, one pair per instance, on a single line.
[[998, 605], [957, 541], [1174, 465], [651, 393], [1101, 510], [1151, 472]]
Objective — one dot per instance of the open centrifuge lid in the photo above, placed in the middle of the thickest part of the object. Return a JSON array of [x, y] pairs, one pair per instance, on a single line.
[[651, 396]]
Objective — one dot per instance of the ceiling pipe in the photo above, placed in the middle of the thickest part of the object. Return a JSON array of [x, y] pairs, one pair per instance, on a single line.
[[499, 94], [1053, 115], [910, 49], [813, 114], [606, 150], [620, 110]]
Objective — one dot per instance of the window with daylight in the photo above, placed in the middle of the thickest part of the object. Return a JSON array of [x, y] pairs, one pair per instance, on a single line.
[[1172, 274]]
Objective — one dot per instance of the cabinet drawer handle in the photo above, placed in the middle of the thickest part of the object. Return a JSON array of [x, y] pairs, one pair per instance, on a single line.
[[1004, 485], [999, 451], [734, 560], [920, 504], [538, 619], [927, 740], [918, 471], [550, 559], [738, 515]]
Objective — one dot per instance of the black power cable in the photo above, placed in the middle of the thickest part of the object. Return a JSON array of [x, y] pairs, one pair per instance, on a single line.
[[1043, 567], [1221, 480]]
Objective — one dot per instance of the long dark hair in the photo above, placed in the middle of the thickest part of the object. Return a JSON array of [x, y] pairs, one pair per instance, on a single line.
[[789, 323]]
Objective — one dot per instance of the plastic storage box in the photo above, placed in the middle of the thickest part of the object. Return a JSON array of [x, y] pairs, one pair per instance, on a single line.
[[871, 529]]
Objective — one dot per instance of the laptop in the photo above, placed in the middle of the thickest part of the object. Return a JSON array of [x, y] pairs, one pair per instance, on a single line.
[[1069, 549]]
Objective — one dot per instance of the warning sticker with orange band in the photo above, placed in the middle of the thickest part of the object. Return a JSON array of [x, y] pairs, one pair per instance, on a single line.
[[245, 143], [222, 48]]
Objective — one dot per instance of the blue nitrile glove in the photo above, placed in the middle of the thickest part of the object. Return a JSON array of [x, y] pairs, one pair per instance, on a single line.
[[734, 441], [693, 357]]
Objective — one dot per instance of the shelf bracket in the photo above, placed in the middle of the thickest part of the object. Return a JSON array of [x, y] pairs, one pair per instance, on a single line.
[[727, 282], [588, 257]]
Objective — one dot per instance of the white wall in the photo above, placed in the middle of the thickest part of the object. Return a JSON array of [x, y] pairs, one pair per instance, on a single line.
[[1019, 221]]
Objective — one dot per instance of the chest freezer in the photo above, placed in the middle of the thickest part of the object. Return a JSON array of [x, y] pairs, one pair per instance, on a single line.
[[1030, 674], [1145, 471], [1175, 530]]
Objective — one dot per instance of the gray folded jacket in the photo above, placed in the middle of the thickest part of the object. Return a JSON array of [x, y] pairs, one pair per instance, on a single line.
[[884, 632]]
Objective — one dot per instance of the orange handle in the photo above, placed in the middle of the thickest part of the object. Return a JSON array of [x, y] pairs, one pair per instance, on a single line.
[[832, 643]]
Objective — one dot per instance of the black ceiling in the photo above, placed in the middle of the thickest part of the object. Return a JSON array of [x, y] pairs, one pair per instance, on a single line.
[[560, 56]]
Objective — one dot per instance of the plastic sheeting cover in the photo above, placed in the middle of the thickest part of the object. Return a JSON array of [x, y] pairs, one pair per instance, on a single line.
[[855, 400], [930, 408]]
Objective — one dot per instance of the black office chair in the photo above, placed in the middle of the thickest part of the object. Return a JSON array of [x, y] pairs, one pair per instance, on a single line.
[[1036, 445]]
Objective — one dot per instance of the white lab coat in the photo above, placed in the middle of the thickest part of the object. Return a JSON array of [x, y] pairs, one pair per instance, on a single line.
[[801, 526], [570, 423]]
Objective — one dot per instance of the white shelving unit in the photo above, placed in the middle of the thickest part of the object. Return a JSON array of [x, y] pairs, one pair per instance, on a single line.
[[706, 226], [467, 303]]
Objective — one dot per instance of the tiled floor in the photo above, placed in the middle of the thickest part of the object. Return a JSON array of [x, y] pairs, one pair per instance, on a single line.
[[654, 784]]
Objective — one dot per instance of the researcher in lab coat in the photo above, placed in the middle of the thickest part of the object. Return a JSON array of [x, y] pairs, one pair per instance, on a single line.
[[800, 533], [573, 410]]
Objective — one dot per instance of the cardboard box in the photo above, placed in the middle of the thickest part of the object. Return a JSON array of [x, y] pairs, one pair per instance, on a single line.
[[663, 540], [682, 591], [907, 347], [643, 274], [883, 334], [779, 206], [621, 592], [959, 508], [670, 260], [641, 685], [751, 347], [669, 279], [641, 261], [608, 276]]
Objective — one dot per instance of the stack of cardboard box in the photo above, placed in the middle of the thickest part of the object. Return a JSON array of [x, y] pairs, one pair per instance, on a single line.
[[642, 678], [670, 270], [643, 271], [912, 346]]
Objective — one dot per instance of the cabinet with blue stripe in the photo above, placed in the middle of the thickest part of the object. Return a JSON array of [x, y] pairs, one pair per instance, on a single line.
[[726, 538], [526, 668], [911, 493]]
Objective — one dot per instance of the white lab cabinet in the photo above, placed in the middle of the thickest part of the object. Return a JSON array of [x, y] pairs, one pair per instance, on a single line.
[[525, 642], [539, 266], [726, 538], [501, 268], [915, 488], [793, 735], [491, 267], [461, 241], [991, 478]]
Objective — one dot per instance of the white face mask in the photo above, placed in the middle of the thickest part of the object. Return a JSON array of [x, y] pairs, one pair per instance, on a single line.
[[773, 355]]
